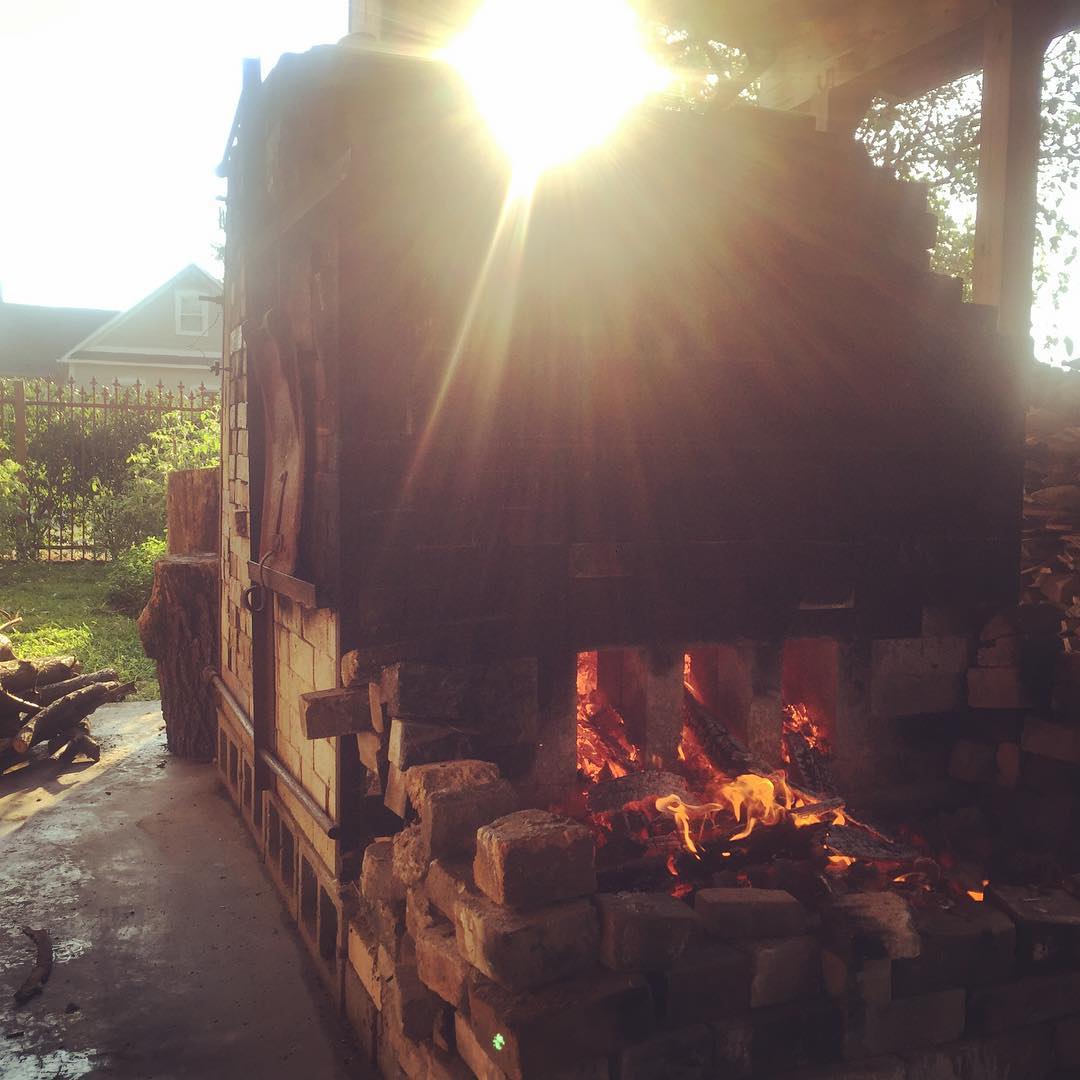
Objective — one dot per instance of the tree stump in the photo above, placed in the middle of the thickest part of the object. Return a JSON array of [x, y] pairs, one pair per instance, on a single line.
[[179, 629]]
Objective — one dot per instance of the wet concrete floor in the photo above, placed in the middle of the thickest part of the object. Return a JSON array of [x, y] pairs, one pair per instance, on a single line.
[[174, 956]]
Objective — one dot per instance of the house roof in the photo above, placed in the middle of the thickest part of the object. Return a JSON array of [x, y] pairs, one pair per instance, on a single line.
[[95, 347], [33, 336]]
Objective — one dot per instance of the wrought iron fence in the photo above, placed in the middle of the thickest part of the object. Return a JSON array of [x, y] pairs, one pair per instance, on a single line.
[[72, 443]]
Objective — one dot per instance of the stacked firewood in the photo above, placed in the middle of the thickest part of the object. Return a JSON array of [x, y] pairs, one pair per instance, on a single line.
[[46, 704], [1051, 540]]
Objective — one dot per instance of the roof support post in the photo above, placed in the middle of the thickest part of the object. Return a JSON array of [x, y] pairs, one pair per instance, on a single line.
[[402, 23], [841, 109], [1017, 37]]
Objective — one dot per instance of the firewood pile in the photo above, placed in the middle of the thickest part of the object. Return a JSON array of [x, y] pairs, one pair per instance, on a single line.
[[46, 704], [1050, 553]]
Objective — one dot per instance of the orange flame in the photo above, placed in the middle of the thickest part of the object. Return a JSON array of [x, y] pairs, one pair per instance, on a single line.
[[799, 720]]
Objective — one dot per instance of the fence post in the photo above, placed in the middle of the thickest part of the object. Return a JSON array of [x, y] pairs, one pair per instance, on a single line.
[[20, 422]]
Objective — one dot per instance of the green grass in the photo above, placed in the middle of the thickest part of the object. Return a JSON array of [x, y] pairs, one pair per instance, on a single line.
[[64, 611]]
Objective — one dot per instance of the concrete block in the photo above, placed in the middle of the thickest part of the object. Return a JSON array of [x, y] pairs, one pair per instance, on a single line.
[[411, 856], [865, 982], [709, 982], [973, 762], [782, 969], [447, 882], [686, 1054], [532, 858], [545, 1032], [1058, 741], [906, 1024], [423, 781], [525, 950], [424, 691], [644, 931], [911, 677], [750, 913], [1032, 1000], [377, 878], [363, 958], [414, 742], [867, 926], [996, 688], [441, 967], [972, 947], [450, 819], [1067, 1043]]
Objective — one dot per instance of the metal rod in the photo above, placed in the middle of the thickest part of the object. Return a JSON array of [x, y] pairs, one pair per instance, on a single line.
[[318, 814], [231, 704]]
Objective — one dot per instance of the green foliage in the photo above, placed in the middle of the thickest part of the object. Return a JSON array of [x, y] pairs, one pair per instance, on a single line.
[[12, 495], [97, 479], [131, 576], [64, 611], [138, 508], [936, 139]]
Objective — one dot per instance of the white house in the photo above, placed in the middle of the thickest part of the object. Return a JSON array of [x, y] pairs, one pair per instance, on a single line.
[[173, 336]]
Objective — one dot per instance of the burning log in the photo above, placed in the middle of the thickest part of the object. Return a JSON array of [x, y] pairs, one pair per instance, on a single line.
[[724, 751], [855, 842], [608, 795], [806, 754]]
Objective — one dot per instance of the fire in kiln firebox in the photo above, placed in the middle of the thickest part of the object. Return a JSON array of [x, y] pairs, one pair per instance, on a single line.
[[724, 817]]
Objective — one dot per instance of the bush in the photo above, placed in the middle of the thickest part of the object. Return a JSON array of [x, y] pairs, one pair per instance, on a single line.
[[12, 494], [131, 576]]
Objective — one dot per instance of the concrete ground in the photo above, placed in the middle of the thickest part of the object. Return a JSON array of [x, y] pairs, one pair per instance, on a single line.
[[174, 956]]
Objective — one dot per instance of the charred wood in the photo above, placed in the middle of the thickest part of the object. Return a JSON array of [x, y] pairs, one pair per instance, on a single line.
[[42, 969]]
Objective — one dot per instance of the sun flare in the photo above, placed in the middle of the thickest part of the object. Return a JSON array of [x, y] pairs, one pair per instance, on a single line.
[[553, 78]]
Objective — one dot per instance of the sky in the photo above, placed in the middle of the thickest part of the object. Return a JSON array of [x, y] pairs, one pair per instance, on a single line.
[[115, 115]]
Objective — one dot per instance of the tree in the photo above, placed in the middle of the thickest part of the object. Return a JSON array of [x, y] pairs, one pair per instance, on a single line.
[[935, 139]]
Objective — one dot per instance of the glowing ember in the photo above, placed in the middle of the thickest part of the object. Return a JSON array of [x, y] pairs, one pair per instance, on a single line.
[[603, 749], [799, 721]]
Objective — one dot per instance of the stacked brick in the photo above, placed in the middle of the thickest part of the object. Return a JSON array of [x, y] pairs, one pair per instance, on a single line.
[[1019, 743], [235, 532], [497, 959]]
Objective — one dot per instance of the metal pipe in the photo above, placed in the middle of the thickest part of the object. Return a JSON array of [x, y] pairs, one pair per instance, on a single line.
[[233, 706], [318, 814]]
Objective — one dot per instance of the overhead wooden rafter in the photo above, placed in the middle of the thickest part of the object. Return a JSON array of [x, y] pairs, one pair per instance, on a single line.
[[899, 48]]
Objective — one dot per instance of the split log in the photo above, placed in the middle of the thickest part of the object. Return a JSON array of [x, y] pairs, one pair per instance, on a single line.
[[179, 628], [48, 694], [67, 711], [81, 744], [42, 969], [64, 737], [811, 769], [193, 511], [19, 675], [723, 750], [7, 650]]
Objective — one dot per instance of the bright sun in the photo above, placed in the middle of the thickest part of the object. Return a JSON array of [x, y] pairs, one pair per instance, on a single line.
[[553, 78]]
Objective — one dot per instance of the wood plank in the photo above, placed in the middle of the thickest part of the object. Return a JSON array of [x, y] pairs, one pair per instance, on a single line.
[[1017, 36], [306, 593]]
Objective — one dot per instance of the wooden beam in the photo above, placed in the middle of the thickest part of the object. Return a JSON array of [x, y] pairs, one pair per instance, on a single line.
[[1017, 37], [868, 44]]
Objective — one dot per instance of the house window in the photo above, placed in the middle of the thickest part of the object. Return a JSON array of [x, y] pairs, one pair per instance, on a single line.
[[192, 314]]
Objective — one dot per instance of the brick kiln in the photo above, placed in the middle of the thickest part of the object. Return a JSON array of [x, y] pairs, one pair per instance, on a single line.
[[672, 501]]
